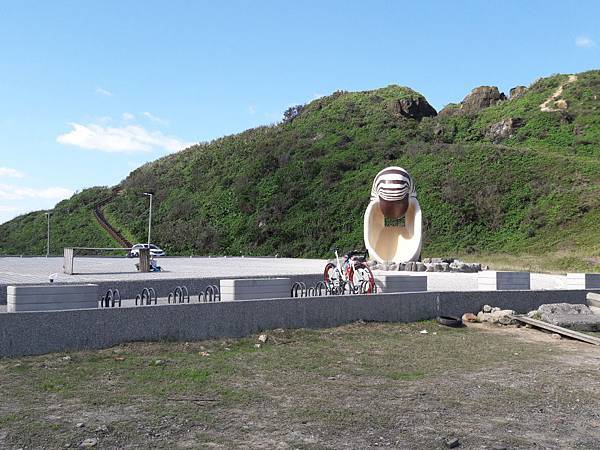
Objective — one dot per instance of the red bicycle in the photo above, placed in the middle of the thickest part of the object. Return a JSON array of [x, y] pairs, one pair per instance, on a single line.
[[351, 276]]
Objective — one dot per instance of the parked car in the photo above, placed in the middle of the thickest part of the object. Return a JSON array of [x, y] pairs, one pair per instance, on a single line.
[[154, 250]]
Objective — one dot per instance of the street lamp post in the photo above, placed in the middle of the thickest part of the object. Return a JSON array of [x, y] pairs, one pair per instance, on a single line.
[[149, 194], [48, 236]]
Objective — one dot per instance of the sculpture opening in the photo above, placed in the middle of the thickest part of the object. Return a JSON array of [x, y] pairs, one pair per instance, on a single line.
[[393, 196]]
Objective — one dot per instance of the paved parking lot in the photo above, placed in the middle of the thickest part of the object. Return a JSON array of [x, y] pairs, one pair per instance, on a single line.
[[90, 269], [15, 270]]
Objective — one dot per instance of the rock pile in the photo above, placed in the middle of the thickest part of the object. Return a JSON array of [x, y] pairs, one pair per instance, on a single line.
[[491, 314], [430, 265]]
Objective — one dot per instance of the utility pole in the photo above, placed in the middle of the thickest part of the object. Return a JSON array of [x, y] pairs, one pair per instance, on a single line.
[[48, 236], [149, 194]]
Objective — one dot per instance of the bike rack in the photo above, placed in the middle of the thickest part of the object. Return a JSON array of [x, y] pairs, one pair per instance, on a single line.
[[322, 289], [112, 297], [180, 295], [210, 294], [299, 289], [146, 297]]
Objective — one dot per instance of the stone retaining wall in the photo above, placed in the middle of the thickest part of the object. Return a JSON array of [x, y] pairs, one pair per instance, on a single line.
[[31, 333]]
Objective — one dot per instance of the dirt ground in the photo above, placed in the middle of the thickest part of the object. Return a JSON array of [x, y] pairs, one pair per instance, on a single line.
[[364, 385]]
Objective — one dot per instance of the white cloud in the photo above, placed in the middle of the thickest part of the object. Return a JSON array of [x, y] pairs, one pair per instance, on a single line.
[[252, 110], [11, 192], [101, 91], [128, 116], [155, 119], [584, 42], [127, 139], [7, 172]]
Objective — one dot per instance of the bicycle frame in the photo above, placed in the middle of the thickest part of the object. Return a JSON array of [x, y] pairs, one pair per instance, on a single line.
[[344, 271]]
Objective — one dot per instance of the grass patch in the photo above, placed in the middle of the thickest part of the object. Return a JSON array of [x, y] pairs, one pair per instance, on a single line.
[[406, 376]]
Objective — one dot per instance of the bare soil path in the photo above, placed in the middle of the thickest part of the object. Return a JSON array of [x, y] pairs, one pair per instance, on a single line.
[[101, 219], [546, 106]]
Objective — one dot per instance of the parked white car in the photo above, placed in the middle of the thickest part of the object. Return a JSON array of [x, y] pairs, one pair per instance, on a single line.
[[154, 250]]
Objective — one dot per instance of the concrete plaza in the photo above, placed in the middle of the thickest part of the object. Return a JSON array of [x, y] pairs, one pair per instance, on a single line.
[[17, 270]]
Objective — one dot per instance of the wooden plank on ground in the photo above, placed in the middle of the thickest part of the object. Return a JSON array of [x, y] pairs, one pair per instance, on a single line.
[[560, 330]]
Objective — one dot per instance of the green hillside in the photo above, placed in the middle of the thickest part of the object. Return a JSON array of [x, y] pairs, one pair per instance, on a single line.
[[508, 183]]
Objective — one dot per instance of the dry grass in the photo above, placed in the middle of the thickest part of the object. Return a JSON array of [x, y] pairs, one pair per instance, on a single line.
[[357, 386]]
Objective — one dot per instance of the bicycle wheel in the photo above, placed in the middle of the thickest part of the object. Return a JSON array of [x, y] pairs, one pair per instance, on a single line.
[[362, 280], [333, 278]]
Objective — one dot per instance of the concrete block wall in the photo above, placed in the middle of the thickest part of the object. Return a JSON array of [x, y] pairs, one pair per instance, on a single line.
[[401, 283], [492, 280], [255, 288], [30, 333], [162, 285], [583, 280], [49, 297]]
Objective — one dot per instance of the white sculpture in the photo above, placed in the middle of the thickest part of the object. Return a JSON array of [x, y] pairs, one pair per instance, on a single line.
[[393, 196]]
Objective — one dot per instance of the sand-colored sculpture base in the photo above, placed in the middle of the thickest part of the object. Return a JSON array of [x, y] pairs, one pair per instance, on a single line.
[[397, 243]]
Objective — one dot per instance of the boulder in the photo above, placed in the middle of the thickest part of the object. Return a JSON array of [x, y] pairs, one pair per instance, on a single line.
[[496, 315], [549, 310], [579, 322], [503, 317], [574, 316], [413, 108], [516, 92], [504, 129], [475, 267], [459, 266], [480, 98], [500, 316], [469, 317], [483, 317]]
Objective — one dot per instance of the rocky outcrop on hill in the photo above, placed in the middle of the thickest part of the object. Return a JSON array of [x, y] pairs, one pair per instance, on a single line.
[[503, 129], [479, 98], [517, 92], [414, 108], [449, 110]]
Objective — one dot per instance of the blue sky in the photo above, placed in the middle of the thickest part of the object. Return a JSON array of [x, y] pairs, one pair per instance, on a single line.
[[91, 90]]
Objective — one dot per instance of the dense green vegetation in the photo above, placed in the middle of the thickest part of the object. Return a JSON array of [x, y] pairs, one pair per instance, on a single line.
[[72, 225], [296, 188]]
